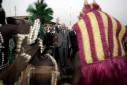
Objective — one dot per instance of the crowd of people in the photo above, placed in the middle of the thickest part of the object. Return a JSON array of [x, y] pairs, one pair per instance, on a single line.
[[61, 42]]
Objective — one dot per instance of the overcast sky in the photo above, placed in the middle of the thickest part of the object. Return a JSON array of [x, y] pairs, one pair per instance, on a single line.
[[64, 8]]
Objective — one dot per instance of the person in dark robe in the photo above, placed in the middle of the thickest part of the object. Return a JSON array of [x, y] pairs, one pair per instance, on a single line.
[[74, 44]]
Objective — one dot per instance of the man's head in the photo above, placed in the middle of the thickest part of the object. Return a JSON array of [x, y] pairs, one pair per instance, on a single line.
[[51, 27], [45, 28], [63, 26]]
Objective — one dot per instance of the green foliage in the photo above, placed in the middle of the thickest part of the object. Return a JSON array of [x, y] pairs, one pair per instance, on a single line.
[[41, 11]]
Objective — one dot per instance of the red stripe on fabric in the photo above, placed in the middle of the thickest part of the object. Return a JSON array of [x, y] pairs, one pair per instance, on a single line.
[[117, 35], [91, 38], [110, 35], [102, 33], [80, 44], [86, 8]]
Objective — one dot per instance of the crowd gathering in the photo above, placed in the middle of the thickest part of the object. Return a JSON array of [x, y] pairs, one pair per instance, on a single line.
[[61, 41]]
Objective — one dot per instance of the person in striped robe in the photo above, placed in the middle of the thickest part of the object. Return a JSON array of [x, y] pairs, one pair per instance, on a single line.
[[101, 59]]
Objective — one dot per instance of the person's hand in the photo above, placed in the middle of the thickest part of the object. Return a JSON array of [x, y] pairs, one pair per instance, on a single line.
[[57, 20]]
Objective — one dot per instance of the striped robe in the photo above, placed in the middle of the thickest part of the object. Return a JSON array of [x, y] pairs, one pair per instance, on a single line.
[[100, 37], [101, 50]]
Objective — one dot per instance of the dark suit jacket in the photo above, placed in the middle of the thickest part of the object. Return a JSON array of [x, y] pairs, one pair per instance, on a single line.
[[46, 41], [73, 39], [50, 38]]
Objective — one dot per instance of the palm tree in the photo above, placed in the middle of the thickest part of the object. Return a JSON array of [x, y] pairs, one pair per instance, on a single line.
[[40, 10]]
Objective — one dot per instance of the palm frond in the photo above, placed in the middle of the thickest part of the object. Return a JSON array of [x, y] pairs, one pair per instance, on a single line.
[[44, 6], [40, 10], [31, 19], [49, 11], [31, 9]]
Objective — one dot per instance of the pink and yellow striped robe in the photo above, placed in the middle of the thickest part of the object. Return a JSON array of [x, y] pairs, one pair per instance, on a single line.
[[100, 37]]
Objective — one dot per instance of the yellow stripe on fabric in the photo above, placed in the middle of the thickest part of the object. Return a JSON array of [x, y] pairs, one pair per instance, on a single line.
[[105, 22], [121, 34], [97, 36], [115, 42], [86, 41]]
